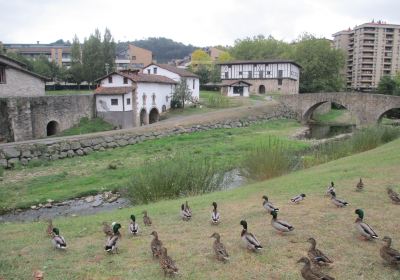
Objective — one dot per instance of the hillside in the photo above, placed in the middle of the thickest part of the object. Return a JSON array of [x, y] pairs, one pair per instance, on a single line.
[[163, 49], [24, 247]]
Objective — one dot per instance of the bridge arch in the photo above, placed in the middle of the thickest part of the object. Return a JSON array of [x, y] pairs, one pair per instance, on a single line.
[[310, 109], [386, 111]]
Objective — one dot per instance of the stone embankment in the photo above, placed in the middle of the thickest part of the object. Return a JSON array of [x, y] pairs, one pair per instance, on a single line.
[[68, 147]]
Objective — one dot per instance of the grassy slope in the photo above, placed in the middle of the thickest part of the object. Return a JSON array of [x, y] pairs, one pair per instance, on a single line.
[[67, 92], [24, 247], [68, 178], [87, 126], [335, 116]]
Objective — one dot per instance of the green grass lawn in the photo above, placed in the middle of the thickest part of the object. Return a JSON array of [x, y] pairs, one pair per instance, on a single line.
[[87, 126], [24, 247], [67, 92], [67, 178]]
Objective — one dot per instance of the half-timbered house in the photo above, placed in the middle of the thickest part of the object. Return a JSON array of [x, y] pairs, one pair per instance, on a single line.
[[264, 76]]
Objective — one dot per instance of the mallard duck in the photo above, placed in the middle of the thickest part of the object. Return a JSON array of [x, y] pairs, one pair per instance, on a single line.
[[360, 185], [187, 208], [133, 226], [167, 263], [215, 217], [309, 274], [112, 241], [155, 245], [57, 240], [280, 226], [363, 228], [392, 256], [107, 229], [146, 219], [50, 227], [249, 239], [298, 198], [268, 205], [220, 252], [330, 189], [337, 201], [186, 216], [315, 255], [394, 196]]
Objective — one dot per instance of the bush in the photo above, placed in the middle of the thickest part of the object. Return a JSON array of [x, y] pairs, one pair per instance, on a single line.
[[1, 171], [177, 176], [267, 159], [218, 101]]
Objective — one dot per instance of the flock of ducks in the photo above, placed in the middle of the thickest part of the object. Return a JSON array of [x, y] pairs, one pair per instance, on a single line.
[[312, 263]]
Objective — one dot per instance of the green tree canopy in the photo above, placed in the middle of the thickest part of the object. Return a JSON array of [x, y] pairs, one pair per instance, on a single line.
[[387, 85]]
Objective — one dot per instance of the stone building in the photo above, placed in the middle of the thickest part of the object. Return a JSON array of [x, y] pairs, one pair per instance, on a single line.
[[372, 51], [264, 76], [130, 98], [16, 80]]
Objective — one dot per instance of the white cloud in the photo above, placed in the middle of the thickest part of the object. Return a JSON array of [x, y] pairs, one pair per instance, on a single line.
[[201, 23]]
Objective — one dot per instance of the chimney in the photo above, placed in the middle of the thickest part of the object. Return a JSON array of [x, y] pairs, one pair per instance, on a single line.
[[37, 42]]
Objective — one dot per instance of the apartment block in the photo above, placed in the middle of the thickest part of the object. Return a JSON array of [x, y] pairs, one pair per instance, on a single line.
[[372, 51]]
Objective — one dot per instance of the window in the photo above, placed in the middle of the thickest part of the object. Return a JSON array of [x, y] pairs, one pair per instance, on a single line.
[[148, 71], [144, 99], [155, 70], [226, 75], [250, 75], [2, 75], [268, 72], [114, 101], [125, 80], [194, 83], [167, 98], [280, 73], [261, 74], [279, 82], [133, 57], [238, 90], [154, 98], [240, 73], [128, 101], [110, 79]]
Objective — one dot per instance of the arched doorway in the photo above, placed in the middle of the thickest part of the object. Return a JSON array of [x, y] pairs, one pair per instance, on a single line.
[[143, 117], [52, 128], [153, 116], [261, 89]]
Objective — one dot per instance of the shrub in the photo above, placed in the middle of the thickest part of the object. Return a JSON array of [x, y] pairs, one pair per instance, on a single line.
[[177, 176], [218, 101]]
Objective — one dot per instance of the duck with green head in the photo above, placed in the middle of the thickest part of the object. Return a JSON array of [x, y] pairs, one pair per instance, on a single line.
[[268, 205], [363, 228], [112, 241], [279, 225], [249, 239], [57, 240], [337, 201], [298, 198], [133, 226], [215, 216]]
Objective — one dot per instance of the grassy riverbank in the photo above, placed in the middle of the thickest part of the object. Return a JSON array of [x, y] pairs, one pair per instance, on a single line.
[[24, 247], [68, 178]]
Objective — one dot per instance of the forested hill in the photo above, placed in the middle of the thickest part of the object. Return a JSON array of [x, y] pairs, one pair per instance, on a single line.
[[163, 49]]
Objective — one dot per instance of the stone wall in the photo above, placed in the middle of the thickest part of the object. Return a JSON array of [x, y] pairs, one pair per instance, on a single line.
[[25, 118], [288, 86], [13, 153]]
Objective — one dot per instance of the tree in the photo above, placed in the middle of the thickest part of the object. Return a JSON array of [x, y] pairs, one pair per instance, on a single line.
[[108, 49], [181, 94], [200, 57], [387, 85], [321, 65], [93, 58], [76, 69], [225, 56]]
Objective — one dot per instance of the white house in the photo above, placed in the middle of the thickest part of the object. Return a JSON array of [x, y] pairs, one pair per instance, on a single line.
[[235, 88], [129, 98], [175, 74], [265, 76]]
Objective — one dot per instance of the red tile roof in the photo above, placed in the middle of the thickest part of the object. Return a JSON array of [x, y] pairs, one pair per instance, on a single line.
[[112, 90]]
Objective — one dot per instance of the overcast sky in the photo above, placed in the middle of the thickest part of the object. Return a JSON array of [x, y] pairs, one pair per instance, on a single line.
[[200, 22]]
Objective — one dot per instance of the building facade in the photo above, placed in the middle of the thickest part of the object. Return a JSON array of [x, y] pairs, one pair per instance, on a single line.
[[133, 58], [16, 80], [264, 76], [372, 51], [129, 98], [176, 74]]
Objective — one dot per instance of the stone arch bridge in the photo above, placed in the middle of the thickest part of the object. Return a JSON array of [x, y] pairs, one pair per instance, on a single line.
[[365, 107]]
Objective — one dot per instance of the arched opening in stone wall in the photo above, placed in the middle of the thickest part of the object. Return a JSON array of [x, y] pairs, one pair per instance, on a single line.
[[143, 117], [390, 117], [153, 116], [327, 119], [261, 89], [52, 128]]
